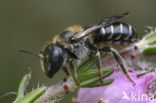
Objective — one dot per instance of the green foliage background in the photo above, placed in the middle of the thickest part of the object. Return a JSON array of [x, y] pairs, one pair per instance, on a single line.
[[28, 24]]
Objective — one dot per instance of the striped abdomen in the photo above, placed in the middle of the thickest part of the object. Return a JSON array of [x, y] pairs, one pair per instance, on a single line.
[[117, 33]]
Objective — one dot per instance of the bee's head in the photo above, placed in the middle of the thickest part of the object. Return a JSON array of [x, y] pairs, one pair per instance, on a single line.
[[52, 59]]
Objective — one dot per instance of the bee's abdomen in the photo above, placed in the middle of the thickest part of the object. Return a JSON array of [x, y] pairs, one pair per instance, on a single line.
[[117, 33]]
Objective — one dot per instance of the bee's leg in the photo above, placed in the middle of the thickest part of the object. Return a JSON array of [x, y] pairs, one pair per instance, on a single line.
[[119, 60], [66, 71], [98, 63], [144, 73], [74, 74]]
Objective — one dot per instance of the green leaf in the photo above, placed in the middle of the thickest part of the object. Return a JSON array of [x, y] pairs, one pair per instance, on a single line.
[[150, 38], [105, 82], [149, 35], [87, 65], [150, 50], [22, 87], [33, 95], [92, 73], [91, 81]]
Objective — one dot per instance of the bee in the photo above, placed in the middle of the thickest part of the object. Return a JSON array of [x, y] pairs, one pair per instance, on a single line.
[[69, 48]]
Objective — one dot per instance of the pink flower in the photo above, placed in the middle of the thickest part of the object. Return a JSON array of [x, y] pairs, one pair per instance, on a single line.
[[120, 91]]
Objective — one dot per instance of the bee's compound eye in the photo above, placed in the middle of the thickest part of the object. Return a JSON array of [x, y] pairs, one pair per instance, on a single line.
[[65, 34], [53, 60], [72, 39]]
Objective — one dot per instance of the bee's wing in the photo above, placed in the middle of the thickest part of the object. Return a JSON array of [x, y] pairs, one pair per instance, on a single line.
[[98, 24]]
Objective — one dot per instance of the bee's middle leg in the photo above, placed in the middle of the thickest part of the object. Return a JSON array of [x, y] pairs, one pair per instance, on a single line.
[[119, 60], [98, 63]]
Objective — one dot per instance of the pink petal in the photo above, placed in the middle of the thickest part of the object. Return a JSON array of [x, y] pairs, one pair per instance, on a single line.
[[114, 92]]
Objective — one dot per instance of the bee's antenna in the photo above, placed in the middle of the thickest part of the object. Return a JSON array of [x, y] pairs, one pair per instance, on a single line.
[[24, 51]]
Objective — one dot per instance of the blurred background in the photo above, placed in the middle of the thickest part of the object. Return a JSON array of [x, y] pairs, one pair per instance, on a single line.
[[28, 24]]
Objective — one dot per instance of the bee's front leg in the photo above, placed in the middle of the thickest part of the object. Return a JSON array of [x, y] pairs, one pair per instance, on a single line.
[[66, 71], [74, 73], [119, 60]]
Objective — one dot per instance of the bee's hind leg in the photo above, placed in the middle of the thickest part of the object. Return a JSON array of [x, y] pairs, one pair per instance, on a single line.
[[119, 60]]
